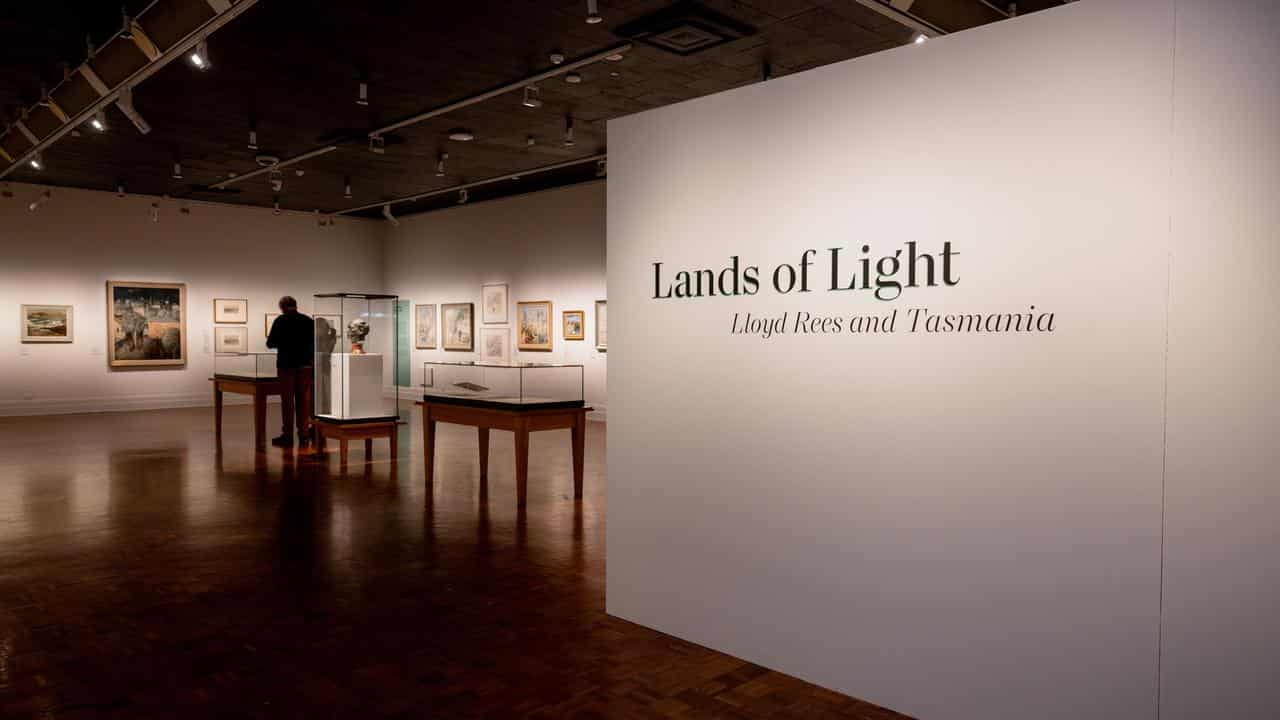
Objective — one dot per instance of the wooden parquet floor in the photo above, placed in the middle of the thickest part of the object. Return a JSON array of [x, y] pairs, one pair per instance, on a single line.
[[145, 575]]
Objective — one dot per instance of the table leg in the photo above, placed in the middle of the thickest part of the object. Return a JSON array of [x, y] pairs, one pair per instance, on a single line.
[[344, 450], [259, 420], [522, 463], [429, 446], [579, 447], [368, 449], [395, 442], [217, 411], [483, 433]]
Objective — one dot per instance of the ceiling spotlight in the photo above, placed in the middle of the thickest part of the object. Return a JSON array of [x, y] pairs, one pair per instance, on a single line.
[[919, 38], [120, 190], [99, 121], [463, 196], [275, 205], [177, 170], [200, 56], [602, 168], [36, 162], [378, 144], [44, 198], [44, 96], [386, 213], [346, 190], [593, 13], [155, 212], [126, 30], [573, 78], [276, 179], [440, 163], [615, 57], [125, 103], [253, 139], [530, 141], [461, 135], [362, 94], [299, 172], [532, 97], [7, 192], [556, 57], [568, 131]]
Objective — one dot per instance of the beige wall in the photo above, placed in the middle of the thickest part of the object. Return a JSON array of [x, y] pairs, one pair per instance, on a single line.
[[66, 252], [544, 246]]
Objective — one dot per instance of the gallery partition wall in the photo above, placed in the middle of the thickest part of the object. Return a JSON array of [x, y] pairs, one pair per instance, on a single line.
[[943, 377]]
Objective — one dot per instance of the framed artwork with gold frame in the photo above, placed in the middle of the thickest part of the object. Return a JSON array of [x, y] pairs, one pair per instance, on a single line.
[[533, 325], [146, 324], [574, 323]]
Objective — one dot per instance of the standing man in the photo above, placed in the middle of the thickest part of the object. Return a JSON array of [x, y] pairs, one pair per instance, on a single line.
[[293, 337]]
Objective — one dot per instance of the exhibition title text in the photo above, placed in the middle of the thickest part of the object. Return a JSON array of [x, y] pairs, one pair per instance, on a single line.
[[886, 277]]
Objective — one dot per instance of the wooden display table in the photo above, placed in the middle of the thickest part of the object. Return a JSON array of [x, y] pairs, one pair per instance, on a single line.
[[521, 421], [344, 432], [259, 389]]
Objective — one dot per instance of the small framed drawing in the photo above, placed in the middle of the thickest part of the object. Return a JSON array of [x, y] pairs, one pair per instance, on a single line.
[[424, 327], [602, 325], [495, 345], [230, 311], [267, 321], [231, 339], [533, 325], [47, 324], [494, 304], [574, 322], [458, 321]]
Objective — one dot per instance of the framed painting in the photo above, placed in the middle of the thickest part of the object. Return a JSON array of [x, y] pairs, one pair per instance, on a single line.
[[146, 324], [494, 304], [458, 321], [234, 339], [47, 323], [602, 325], [230, 311], [267, 320], [574, 322], [533, 325], [424, 327], [495, 345]]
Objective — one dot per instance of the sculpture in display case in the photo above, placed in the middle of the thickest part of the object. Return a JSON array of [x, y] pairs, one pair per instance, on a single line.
[[357, 331]]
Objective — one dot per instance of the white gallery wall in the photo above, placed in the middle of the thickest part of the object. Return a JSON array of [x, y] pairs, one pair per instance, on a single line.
[[544, 246], [963, 524], [65, 253]]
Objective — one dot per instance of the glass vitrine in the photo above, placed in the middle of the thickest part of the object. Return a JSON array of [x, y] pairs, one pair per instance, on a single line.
[[357, 351], [519, 385], [245, 366]]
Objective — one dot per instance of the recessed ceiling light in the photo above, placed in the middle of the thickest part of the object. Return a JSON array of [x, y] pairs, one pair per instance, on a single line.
[[36, 162], [615, 57], [461, 135], [593, 13], [573, 78], [99, 122], [920, 38], [200, 56]]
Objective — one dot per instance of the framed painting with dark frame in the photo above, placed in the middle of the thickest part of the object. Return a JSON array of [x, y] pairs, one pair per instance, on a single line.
[[146, 324]]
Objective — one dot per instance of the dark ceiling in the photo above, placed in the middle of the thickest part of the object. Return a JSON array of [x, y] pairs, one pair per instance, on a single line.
[[292, 68]]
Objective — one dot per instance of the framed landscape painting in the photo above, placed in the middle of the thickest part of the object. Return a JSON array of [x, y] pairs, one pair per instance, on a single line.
[[459, 322], [495, 345], [602, 325], [47, 324], [494, 303], [533, 325], [146, 324], [231, 339], [574, 322], [425, 327], [230, 311]]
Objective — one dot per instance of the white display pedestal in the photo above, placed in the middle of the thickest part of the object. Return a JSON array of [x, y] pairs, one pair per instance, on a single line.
[[355, 386]]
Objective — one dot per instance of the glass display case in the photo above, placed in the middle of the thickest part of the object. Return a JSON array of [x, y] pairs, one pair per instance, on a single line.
[[357, 356], [245, 366], [513, 386]]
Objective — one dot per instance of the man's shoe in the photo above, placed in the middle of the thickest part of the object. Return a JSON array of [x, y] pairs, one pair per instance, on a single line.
[[284, 441]]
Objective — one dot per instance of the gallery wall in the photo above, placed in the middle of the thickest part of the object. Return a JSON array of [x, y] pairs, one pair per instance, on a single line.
[[544, 246], [65, 253], [970, 524]]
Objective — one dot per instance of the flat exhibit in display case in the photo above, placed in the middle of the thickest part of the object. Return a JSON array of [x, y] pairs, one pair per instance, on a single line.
[[146, 324], [504, 385], [250, 366], [47, 323], [533, 325], [357, 358]]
